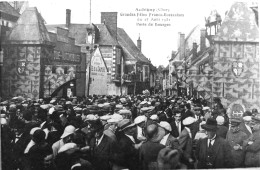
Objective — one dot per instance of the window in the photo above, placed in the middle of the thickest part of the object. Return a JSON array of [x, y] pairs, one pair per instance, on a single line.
[[53, 70]]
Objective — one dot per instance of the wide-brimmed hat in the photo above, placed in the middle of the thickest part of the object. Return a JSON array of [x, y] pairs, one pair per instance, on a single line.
[[68, 131], [124, 124], [211, 125], [67, 147]]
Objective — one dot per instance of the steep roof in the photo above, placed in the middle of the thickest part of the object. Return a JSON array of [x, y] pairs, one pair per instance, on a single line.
[[239, 25], [79, 32], [129, 47], [8, 9], [30, 29]]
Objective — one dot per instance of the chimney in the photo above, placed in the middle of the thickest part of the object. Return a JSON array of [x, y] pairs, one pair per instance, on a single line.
[[68, 13], [139, 43], [110, 20], [202, 39], [182, 46]]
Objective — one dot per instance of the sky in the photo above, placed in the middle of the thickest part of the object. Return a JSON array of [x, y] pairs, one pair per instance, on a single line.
[[158, 41]]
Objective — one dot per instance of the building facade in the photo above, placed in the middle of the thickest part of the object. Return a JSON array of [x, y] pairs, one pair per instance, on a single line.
[[37, 63], [227, 67]]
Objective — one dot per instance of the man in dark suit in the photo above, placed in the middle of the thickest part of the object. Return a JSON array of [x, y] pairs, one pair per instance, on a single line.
[[245, 124], [176, 125], [168, 140], [186, 142], [127, 152], [187, 112], [213, 152], [150, 149], [102, 147]]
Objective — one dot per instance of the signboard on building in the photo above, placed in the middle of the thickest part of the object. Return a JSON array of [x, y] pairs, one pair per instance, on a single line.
[[98, 74]]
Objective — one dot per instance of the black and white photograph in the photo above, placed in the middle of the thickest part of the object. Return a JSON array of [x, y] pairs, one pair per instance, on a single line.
[[129, 85]]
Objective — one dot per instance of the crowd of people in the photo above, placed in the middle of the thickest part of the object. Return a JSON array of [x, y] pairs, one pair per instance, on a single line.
[[142, 132]]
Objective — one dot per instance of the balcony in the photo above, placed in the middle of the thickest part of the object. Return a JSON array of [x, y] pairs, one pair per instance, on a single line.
[[127, 78]]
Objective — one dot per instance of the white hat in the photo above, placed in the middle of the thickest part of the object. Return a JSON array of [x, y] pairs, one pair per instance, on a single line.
[[189, 120], [34, 129], [51, 110], [45, 106], [220, 120], [52, 101], [115, 118], [154, 117], [140, 119], [68, 102], [166, 125], [91, 117], [247, 118], [105, 117], [3, 121], [143, 102], [206, 108], [67, 146], [67, 131]]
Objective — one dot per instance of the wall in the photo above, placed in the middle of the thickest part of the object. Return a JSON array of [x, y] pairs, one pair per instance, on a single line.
[[22, 71], [243, 88]]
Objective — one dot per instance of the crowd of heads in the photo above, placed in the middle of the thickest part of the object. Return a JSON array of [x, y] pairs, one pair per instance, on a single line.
[[75, 121]]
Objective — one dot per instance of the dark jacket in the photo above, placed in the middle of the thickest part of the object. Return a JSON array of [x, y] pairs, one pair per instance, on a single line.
[[102, 155], [243, 128], [222, 157], [237, 138], [186, 144], [172, 142], [222, 131], [148, 153], [127, 155], [175, 132]]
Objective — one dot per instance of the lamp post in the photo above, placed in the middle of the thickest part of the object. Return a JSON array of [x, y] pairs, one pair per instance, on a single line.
[[1, 65]]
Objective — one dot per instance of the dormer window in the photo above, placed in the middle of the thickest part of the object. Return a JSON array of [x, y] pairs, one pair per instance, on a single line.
[[90, 37]]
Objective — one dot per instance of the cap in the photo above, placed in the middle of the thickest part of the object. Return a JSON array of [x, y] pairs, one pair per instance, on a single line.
[[166, 126]]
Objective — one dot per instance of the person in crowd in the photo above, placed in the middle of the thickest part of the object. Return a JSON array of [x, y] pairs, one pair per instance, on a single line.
[[112, 126], [176, 125], [213, 152], [236, 138], [201, 133], [140, 122], [186, 142], [127, 156], [149, 150], [252, 145], [168, 140], [206, 112], [222, 129], [169, 159], [245, 124], [102, 148], [40, 153], [66, 137], [187, 112]]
